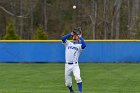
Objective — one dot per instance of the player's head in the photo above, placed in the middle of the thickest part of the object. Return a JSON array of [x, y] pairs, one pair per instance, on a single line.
[[76, 33], [75, 38]]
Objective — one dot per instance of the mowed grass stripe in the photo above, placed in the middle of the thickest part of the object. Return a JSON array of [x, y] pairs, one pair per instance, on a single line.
[[49, 78]]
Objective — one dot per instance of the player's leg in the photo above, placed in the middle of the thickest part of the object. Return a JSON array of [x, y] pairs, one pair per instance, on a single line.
[[68, 77], [76, 72]]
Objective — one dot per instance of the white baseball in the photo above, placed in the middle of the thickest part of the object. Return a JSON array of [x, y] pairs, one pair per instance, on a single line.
[[74, 7]]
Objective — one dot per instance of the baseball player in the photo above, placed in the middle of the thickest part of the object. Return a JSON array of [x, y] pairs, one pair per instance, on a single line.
[[72, 52]]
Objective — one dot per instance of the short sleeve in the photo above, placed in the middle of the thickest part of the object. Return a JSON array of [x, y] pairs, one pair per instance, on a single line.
[[80, 47], [66, 43]]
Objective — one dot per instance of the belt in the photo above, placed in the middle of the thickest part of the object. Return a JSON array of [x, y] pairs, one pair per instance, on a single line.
[[70, 63]]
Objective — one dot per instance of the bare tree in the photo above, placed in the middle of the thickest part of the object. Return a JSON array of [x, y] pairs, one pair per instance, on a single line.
[[117, 19], [32, 19], [13, 5], [115, 25], [45, 15], [133, 17], [93, 17], [21, 19], [105, 17]]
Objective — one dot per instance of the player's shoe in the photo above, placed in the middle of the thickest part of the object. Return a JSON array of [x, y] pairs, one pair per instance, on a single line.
[[72, 92]]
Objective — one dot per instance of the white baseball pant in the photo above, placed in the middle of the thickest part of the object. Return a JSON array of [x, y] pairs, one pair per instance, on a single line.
[[69, 70]]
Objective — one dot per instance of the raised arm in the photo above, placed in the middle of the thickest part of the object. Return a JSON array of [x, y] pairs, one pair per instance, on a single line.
[[64, 38], [83, 42]]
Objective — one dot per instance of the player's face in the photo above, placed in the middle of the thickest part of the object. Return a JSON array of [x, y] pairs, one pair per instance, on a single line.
[[75, 37]]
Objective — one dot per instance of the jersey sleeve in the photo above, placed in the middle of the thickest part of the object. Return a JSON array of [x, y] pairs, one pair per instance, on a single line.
[[83, 43], [64, 39], [80, 48], [66, 42]]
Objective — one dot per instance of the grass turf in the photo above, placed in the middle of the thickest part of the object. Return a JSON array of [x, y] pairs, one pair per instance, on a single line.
[[49, 78]]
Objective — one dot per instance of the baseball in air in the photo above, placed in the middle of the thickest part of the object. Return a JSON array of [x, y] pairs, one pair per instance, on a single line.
[[74, 7]]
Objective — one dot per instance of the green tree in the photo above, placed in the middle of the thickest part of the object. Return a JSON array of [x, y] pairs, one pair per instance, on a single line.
[[66, 31], [40, 34], [10, 31]]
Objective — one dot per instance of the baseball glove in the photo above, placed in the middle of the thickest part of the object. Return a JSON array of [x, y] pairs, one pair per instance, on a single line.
[[77, 31]]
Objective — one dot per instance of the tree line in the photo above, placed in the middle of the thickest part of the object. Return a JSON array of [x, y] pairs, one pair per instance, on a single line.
[[50, 19]]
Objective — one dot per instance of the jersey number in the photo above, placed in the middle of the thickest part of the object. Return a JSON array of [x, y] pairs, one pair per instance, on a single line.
[[75, 53]]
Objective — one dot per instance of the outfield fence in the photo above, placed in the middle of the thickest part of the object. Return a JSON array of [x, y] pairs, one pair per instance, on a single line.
[[53, 51]]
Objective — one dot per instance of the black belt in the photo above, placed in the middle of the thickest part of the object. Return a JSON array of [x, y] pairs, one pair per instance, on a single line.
[[70, 63]]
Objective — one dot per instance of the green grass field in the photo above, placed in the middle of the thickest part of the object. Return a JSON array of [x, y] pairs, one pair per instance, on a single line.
[[49, 78]]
